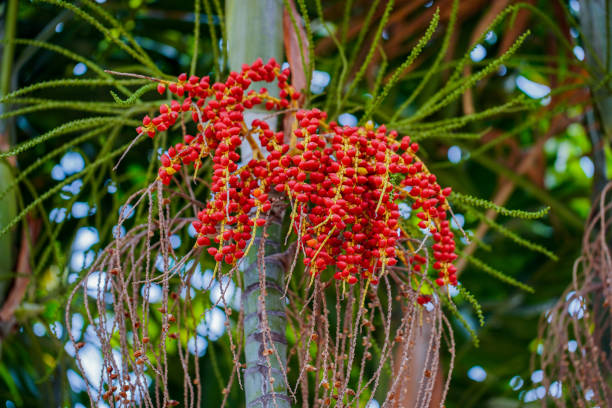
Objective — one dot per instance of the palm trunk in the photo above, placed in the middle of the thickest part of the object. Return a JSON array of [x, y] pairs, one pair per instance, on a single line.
[[255, 30]]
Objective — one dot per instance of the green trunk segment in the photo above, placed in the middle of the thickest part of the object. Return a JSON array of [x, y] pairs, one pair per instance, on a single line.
[[255, 30], [265, 319], [8, 211], [10, 24], [8, 204], [595, 25]]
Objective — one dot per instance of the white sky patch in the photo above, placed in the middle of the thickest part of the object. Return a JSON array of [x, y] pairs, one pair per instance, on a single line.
[[118, 232], [39, 329], [126, 211], [155, 292], [573, 32], [85, 238], [477, 373], [112, 187], [73, 188], [80, 260], [223, 291], [478, 53], [57, 329], [574, 6], [405, 210], [347, 119], [94, 281], [197, 345], [458, 221], [372, 404], [320, 79], [537, 376], [57, 215], [92, 364], [215, 322], [555, 390], [57, 173], [76, 326], [79, 69], [534, 395], [159, 263], [80, 209], [516, 382], [454, 154], [175, 241], [72, 162], [579, 52], [576, 307], [531, 88], [587, 166], [76, 381]]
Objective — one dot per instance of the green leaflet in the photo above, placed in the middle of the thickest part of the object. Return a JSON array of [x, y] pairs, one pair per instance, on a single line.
[[509, 234], [479, 202], [69, 127], [453, 308], [8, 210], [472, 300], [142, 58], [434, 67], [96, 107], [56, 83], [497, 274], [55, 189], [416, 51], [447, 97], [133, 98], [362, 70], [40, 161]]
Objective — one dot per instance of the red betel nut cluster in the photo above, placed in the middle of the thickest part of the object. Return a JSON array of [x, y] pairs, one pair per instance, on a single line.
[[343, 182]]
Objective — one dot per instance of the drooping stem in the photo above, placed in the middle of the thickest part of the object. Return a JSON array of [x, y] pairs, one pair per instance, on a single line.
[[255, 30]]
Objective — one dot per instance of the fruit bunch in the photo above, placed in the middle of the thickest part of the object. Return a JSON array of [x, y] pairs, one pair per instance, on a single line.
[[343, 182]]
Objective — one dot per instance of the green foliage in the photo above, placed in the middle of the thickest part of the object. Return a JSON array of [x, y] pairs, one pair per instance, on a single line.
[[55, 189], [455, 312], [131, 100], [472, 300], [416, 51], [73, 126], [509, 234], [424, 104]]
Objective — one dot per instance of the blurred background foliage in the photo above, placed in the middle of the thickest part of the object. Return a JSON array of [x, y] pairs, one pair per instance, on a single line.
[[540, 155]]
